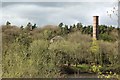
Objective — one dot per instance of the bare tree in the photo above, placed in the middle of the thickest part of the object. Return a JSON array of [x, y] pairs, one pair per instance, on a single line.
[[113, 13]]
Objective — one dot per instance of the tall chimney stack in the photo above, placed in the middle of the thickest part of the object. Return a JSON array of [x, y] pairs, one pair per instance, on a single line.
[[95, 27]]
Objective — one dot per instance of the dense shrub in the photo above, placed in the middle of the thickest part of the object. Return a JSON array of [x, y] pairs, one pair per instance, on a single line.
[[30, 53]]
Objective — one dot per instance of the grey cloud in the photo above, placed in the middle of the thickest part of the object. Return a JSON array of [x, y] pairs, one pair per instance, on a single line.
[[54, 13], [0, 13], [45, 4], [59, 0]]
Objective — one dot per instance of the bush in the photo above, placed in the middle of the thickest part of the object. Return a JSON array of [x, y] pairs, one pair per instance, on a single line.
[[41, 61], [14, 61]]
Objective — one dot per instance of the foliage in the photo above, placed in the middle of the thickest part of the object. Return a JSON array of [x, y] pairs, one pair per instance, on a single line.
[[105, 75], [63, 52], [94, 50], [19, 61], [24, 39], [13, 60], [40, 59], [29, 53]]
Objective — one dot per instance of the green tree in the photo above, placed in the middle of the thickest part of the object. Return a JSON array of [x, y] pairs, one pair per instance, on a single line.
[[64, 52], [41, 61], [29, 26], [15, 61], [79, 26], [60, 25], [95, 51], [8, 23], [24, 39], [34, 26]]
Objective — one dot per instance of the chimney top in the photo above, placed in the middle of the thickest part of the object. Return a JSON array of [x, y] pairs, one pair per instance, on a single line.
[[95, 16]]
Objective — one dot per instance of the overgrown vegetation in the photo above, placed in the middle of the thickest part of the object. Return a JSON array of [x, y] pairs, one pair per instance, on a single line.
[[31, 51]]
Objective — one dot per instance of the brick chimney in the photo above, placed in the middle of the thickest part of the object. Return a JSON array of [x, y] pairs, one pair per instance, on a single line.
[[95, 27]]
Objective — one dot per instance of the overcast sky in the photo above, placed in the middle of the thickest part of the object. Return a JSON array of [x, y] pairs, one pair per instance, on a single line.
[[43, 13]]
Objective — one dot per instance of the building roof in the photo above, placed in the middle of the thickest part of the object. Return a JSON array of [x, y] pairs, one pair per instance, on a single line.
[[56, 38]]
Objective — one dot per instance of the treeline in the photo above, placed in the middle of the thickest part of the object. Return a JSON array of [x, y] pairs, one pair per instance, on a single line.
[[106, 33], [33, 51]]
